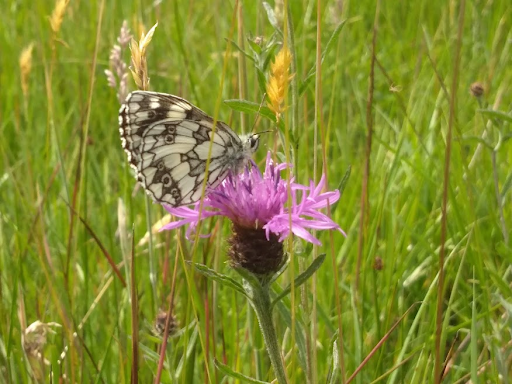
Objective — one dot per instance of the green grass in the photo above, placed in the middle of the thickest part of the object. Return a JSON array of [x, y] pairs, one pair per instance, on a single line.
[[60, 148]]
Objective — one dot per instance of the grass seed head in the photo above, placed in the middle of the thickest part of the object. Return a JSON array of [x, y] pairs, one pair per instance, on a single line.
[[139, 66], [34, 337], [58, 15], [117, 75], [278, 81], [25, 67], [125, 35]]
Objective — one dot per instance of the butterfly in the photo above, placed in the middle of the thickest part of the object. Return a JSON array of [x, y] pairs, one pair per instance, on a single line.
[[168, 140]]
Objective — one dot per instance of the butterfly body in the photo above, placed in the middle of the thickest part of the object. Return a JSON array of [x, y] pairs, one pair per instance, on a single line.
[[168, 141]]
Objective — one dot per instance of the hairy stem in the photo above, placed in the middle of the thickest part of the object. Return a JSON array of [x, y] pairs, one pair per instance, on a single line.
[[262, 306]]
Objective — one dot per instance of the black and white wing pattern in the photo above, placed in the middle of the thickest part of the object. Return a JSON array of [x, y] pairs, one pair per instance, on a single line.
[[167, 140]]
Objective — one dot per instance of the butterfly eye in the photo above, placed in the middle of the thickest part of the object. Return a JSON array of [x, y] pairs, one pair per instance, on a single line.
[[169, 139], [255, 142]]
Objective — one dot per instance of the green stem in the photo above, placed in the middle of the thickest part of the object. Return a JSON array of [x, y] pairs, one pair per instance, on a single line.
[[293, 82], [262, 306]]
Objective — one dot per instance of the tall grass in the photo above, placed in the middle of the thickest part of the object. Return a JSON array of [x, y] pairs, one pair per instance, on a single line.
[[385, 296]]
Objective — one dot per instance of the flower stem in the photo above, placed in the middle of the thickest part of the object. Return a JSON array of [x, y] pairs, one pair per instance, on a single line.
[[262, 306]]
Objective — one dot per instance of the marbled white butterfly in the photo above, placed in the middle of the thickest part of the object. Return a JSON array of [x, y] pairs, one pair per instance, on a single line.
[[167, 140]]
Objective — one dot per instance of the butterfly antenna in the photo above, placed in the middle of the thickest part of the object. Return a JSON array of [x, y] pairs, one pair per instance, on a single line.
[[258, 113]]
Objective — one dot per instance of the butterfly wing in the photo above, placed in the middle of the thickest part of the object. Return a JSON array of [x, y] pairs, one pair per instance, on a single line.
[[168, 140]]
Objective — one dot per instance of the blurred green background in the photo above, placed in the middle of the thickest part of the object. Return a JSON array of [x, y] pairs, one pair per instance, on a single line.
[[61, 156]]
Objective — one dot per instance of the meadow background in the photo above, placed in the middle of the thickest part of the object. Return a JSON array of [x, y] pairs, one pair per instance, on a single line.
[[68, 200]]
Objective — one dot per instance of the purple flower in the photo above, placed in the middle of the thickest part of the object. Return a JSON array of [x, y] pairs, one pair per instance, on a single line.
[[264, 202]]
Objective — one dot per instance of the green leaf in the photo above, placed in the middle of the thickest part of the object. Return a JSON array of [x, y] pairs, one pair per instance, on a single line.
[[262, 81], [342, 185], [185, 369], [478, 139], [506, 136], [240, 50], [496, 278], [105, 357], [252, 107], [333, 371], [300, 340], [271, 16], [302, 278], [256, 48], [249, 278], [281, 270], [496, 114], [229, 372], [269, 56], [506, 186], [344, 181], [303, 86], [506, 305], [219, 278]]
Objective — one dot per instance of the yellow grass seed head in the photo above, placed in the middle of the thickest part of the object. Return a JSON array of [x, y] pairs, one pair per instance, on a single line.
[[279, 9], [58, 14], [26, 67], [146, 38], [136, 67], [139, 66], [278, 81]]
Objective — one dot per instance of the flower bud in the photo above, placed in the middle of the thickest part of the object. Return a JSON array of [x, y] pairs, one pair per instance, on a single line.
[[250, 249], [477, 89]]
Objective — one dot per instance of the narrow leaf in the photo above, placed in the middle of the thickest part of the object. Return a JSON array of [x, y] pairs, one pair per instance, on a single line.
[[303, 86], [185, 370], [250, 57], [262, 81], [248, 277], [252, 107], [271, 16], [279, 272], [342, 185], [496, 114], [333, 372], [344, 181], [236, 375], [476, 138], [256, 48], [300, 340], [506, 185], [219, 278], [100, 245], [269, 56], [302, 278], [379, 344]]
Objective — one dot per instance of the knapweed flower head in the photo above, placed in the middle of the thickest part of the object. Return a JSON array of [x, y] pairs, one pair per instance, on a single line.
[[258, 206]]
